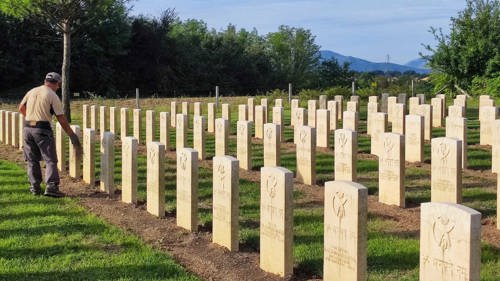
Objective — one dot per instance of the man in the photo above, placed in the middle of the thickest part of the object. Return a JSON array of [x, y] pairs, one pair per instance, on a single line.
[[38, 106]]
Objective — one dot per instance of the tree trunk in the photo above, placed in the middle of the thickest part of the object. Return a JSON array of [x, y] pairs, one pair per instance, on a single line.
[[65, 93]]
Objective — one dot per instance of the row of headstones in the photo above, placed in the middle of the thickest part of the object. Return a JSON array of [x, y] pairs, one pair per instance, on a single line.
[[345, 155], [11, 128], [450, 233], [108, 138]]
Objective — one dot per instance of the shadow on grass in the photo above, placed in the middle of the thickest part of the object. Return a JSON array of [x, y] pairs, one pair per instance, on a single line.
[[129, 272], [67, 228]]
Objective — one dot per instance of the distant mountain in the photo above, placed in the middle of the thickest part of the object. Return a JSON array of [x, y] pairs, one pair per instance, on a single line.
[[418, 63], [361, 65]]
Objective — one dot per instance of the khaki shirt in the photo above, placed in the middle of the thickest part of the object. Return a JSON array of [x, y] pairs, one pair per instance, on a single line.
[[39, 102]]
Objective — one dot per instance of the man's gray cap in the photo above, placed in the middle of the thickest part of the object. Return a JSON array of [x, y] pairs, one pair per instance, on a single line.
[[53, 77]]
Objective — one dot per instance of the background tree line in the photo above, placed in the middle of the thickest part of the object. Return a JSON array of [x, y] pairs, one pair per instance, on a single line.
[[115, 53], [164, 56]]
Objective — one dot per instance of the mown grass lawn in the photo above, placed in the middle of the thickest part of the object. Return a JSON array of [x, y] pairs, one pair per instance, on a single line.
[[44, 238]]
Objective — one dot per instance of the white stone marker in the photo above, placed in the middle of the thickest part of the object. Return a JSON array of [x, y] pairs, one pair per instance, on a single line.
[[137, 124], [437, 112], [75, 159], [221, 137], [485, 100], [93, 117], [306, 155], [495, 147], [372, 107], [398, 123], [322, 127], [14, 126], [185, 108], [155, 193], [103, 119], [259, 121], [279, 119], [414, 103], [60, 148], [8, 130], [129, 170], [173, 113], [271, 145], [124, 120], [383, 102], [391, 177], [181, 132], [426, 111], [89, 156], [345, 231], [150, 126], [414, 138], [85, 116], [293, 106], [197, 109], [278, 102], [165, 129], [251, 109], [107, 179], [225, 227], [457, 111], [265, 107], [187, 189], [312, 106], [2, 126], [351, 120], [346, 155], [244, 144], [211, 117], [21, 131], [226, 113], [373, 99], [352, 106], [242, 112], [113, 120], [421, 97], [332, 107], [446, 170], [402, 98], [450, 242], [489, 115], [199, 128], [391, 102], [276, 220], [378, 127], [456, 127], [461, 100], [300, 117], [322, 101], [340, 108]]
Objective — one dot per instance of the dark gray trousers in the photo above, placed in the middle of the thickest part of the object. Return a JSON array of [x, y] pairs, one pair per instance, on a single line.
[[39, 144]]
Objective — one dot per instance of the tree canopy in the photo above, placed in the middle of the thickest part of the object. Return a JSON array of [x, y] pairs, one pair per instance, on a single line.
[[471, 50]]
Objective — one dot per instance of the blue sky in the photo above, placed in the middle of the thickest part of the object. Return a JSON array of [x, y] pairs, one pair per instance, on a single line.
[[368, 29]]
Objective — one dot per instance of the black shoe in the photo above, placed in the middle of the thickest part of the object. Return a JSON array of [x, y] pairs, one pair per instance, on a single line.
[[53, 191], [37, 191]]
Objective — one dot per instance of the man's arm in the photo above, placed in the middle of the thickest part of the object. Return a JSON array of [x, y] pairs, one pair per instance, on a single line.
[[22, 109], [64, 124]]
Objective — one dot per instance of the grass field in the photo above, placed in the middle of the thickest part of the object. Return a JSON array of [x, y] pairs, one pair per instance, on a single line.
[[392, 254], [43, 238]]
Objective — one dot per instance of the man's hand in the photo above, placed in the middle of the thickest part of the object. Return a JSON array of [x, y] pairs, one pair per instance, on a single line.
[[76, 143]]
